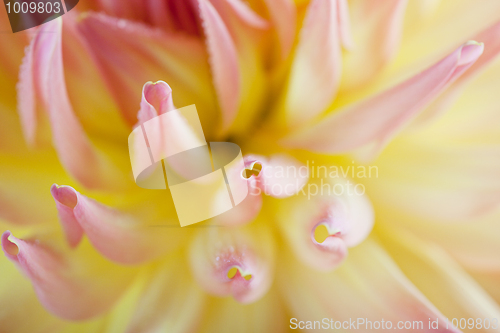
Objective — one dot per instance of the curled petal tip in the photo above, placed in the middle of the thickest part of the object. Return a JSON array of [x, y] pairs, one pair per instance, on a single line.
[[68, 291], [156, 100], [65, 195], [10, 248], [320, 229], [233, 263], [470, 52], [116, 235], [327, 236], [66, 199], [370, 124], [333, 245]]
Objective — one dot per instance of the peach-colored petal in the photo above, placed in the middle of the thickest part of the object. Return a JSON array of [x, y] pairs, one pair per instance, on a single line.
[[489, 281], [491, 38], [121, 237], [247, 252], [284, 15], [316, 67], [65, 288], [376, 120], [377, 29], [129, 54], [336, 205], [368, 284], [281, 176], [42, 78], [223, 61], [442, 280]]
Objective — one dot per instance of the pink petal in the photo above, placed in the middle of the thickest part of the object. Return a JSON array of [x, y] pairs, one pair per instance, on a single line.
[[118, 236], [243, 213], [314, 75], [66, 201], [223, 61], [378, 27], [375, 120], [281, 176], [248, 209], [241, 10], [247, 31], [42, 79], [67, 288], [19, 298], [129, 54], [345, 25], [132, 9], [93, 104], [184, 14], [370, 278], [215, 251], [491, 39], [160, 15], [27, 104], [347, 215], [284, 16], [156, 100], [489, 282]]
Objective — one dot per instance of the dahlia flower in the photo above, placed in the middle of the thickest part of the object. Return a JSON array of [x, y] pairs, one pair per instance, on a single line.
[[379, 117]]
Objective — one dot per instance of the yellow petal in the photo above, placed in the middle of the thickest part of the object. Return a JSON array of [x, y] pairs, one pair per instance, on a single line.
[[439, 277], [368, 286]]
